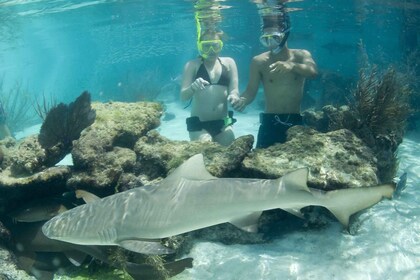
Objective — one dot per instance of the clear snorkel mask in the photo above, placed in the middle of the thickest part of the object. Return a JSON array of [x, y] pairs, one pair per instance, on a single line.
[[275, 25], [275, 41], [208, 48]]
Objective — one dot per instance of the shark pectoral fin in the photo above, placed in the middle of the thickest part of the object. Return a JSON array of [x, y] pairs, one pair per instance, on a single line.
[[342, 217], [248, 222], [75, 257], [145, 247], [295, 212]]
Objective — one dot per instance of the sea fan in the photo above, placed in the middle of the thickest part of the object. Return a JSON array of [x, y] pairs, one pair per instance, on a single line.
[[64, 123], [382, 108]]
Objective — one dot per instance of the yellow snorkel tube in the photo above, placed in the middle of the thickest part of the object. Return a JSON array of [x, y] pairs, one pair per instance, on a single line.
[[207, 13]]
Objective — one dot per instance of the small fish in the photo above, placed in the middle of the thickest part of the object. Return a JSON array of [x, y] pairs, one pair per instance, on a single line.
[[40, 255], [401, 185], [39, 210], [86, 196]]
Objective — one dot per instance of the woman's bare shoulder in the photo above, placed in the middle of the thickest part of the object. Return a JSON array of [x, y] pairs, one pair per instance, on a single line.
[[193, 64]]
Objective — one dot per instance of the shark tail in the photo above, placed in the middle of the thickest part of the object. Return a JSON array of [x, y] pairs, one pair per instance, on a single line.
[[344, 203]]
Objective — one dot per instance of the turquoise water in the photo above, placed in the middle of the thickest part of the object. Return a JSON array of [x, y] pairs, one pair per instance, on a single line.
[[116, 49], [106, 47]]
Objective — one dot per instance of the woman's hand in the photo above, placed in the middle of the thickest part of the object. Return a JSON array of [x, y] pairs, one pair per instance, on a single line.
[[199, 84], [238, 103]]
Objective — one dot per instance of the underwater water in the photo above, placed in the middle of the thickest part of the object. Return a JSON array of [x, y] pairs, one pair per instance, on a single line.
[[136, 50]]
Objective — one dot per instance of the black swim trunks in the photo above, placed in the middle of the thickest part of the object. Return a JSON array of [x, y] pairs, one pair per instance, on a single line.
[[273, 128], [212, 127]]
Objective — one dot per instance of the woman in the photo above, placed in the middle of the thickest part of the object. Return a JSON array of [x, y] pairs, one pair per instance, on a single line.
[[209, 81]]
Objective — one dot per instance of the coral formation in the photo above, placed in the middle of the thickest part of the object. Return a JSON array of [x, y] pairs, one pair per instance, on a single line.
[[17, 104], [64, 123], [121, 150], [377, 113], [337, 159], [382, 108], [105, 150], [43, 108]]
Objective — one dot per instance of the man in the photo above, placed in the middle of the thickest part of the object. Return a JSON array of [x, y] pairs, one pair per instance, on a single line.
[[282, 72]]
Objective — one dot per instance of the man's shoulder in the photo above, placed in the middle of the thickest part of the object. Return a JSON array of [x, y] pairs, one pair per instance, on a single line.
[[300, 53], [263, 55]]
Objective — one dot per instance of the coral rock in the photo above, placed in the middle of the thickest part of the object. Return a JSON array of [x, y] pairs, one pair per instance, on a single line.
[[336, 159], [158, 155], [104, 150]]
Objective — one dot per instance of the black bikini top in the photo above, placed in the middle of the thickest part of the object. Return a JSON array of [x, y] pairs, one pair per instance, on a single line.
[[224, 79]]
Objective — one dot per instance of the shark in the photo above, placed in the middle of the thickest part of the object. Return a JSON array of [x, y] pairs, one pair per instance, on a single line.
[[190, 198]]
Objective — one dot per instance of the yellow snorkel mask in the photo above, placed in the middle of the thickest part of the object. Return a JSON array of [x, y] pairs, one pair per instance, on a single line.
[[208, 47]]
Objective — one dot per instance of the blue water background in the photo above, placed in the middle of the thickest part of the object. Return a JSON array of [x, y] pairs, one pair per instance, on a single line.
[[61, 48]]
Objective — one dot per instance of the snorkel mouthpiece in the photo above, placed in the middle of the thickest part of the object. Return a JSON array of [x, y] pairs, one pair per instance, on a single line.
[[275, 26]]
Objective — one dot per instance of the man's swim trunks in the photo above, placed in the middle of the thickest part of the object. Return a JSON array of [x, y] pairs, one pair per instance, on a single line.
[[273, 128], [212, 127]]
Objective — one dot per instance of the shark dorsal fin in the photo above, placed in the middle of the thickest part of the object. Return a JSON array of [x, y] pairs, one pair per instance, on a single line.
[[296, 179], [192, 169]]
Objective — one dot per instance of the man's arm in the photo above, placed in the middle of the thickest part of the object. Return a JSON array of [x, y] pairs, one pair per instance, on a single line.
[[307, 67], [252, 88]]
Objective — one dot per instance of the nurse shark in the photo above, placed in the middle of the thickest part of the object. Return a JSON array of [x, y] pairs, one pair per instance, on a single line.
[[190, 198]]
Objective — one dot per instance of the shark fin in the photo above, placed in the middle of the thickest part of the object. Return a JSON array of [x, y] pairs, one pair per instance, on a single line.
[[75, 257], [145, 247], [296, 179], [294, 212], [247, 223], [192, 169], [344, 203]]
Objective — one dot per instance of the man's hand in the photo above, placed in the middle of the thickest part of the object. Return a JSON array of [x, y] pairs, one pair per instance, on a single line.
[[238, 103], [199, 84], [281, 67]]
